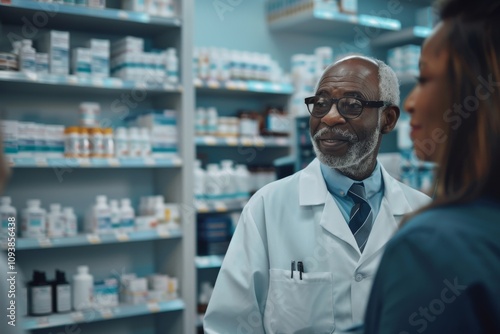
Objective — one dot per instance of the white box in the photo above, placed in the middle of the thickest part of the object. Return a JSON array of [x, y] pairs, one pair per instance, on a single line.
[[81, 60], [100, 57], [10, 136], [56, 44]]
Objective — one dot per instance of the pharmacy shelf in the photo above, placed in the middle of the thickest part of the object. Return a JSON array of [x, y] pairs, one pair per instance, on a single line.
[[17, 80], [94, 239], [411, 35], [209, 261], [103, 20], [203, 206], [42, 162], [212, 86], [329, 23], [242, 141], [109, 313]]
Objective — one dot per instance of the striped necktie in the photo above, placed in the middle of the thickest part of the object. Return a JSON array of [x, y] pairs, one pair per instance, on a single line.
[[361, 217]]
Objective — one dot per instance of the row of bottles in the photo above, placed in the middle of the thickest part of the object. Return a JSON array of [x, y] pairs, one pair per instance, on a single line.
[[221, 182], [103, 217], [45, 297]]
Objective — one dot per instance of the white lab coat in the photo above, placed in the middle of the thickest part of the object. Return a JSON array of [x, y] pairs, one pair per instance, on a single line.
[[296, 218]]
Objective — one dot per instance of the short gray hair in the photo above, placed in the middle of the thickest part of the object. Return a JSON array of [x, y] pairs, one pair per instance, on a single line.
[[388, 83]]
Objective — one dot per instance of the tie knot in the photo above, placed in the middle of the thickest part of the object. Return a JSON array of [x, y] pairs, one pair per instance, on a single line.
[[357, 192]]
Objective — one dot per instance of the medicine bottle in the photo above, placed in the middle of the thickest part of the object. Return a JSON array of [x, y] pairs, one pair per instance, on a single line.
[[34, 220], [121, 142], [39, 295], [96, 141], [108, 143], [61, 293], [83, 289], [71, 223], [84, 142], [71, 142], [127, 216], [55, 222]]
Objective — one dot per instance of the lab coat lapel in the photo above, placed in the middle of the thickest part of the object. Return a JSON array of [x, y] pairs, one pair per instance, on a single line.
[[313, 191], [334, 222], [394, 205]]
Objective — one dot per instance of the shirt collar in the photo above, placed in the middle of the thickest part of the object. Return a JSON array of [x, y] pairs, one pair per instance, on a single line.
[[339, 184]]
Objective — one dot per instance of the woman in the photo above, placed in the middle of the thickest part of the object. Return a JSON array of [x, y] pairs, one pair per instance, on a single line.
[[441, 271]]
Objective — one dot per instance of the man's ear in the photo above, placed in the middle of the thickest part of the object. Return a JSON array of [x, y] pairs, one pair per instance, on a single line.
[[390, 117]]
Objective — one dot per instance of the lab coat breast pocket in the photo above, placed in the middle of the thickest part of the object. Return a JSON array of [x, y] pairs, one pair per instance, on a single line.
[[299, 306]]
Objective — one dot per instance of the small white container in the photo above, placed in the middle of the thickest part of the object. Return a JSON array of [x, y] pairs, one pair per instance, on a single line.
[[83, 289]]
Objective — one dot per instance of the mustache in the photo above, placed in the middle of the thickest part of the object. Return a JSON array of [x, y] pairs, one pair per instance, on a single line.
[[344, 134]]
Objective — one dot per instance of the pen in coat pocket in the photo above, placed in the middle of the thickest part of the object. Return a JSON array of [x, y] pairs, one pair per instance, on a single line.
[[300, 268]]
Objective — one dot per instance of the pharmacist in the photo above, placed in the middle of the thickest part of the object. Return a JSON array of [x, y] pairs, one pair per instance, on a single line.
[[306, 248]]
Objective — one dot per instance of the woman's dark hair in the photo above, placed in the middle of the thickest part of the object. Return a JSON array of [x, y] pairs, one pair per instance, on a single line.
[[469, 166]]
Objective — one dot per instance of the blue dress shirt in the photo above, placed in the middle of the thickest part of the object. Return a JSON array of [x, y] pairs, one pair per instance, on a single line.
[[338, 185]]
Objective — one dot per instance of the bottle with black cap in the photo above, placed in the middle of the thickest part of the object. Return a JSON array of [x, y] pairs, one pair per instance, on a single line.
[[39, 295], [61, 293]]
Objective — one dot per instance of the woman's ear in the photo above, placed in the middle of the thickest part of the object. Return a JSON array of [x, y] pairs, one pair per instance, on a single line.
[[390, 117]]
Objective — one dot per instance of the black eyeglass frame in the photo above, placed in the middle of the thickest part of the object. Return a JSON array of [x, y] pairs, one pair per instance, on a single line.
[[369, 104]]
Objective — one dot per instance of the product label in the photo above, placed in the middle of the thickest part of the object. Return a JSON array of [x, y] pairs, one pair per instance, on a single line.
[[127, 222], [35, 225], [63, 300], [277, 123], [41, 300]]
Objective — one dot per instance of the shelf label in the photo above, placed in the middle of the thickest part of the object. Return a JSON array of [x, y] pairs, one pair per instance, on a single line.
[[114, 162], [72, 80], [153, 307], [202, 207], [93, 239], [148, 161], [210, 140], [213, 84], [106, 313], [281, 141], [140, 85], [98, 82], [232, 141], [77, 316], [123, 15], [276, 87], [246, 142], [163, 232], [44, 242], [84, 162], [41, 162], [231, 85], [122, 236], [220, 206], [42, 321], [259, 141]]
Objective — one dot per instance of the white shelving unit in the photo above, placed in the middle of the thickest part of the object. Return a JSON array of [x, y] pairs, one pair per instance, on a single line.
[[410, 35], [75, 182], [321, 22], [94, 239]]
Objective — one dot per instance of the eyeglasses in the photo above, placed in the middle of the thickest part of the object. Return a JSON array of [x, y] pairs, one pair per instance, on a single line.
[[348, 107]]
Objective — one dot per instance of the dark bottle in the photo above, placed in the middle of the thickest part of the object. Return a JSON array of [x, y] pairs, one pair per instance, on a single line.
[[39, 295], [61, 293]]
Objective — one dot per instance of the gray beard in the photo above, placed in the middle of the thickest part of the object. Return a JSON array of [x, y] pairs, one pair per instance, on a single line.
[[359, 157]]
